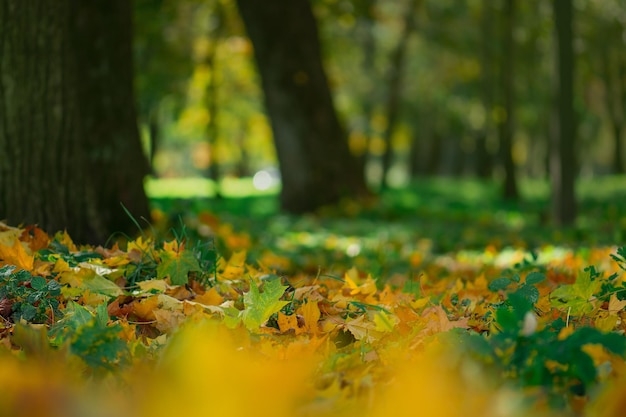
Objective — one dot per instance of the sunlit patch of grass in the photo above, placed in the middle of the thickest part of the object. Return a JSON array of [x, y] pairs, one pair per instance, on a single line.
[[203, 188]]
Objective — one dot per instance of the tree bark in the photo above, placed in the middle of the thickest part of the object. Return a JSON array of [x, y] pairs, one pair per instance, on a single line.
[[510, 190], [562, 150], [317, 168], [69, 145]]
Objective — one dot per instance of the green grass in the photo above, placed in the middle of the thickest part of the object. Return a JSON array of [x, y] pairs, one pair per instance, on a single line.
[[431, 217], [203, 188]]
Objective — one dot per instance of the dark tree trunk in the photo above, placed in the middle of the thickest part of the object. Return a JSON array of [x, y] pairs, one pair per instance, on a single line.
[[154, 131], [317, 168], [510, 191], [484, 159], [69, 145], [562, 149], [396, 69], [212, 100], [614, 75], [369, 67]]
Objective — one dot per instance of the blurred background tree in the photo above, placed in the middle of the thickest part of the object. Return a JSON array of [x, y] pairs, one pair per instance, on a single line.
[[428, 88], [381, 94]]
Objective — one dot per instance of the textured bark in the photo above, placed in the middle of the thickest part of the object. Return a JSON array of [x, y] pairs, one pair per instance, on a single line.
[[315, 162], [69, 146], [562, 149]]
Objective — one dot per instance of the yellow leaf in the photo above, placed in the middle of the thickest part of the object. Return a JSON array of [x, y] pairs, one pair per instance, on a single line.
[[8, 237], [607, 323], [140, 245], [616, 305], [286, 323], [144, 309], [61, 266], [210, 298], [420, 303], [153, 284], [16, 255], [168, 320], [385, 322], [90, 298], [361, 329], [565, 332], [235, 267], [311, 313]]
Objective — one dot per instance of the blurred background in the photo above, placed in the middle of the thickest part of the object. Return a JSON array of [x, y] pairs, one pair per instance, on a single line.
[[201, 104]]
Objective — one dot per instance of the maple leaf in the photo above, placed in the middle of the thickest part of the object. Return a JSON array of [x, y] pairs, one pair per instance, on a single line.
[[16, 255], [176, 263], [261, 305], [578, 297]]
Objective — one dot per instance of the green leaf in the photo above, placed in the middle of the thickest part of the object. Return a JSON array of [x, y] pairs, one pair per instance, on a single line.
[[535, 278], [100, 285], [176, 266], [529, 293], [99, 346], [507, 320], [27, 312], [499, 284], [38, 283], [259, 306], [579, 297]]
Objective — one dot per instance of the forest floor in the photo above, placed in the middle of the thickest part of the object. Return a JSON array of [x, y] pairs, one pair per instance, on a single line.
[[438, 300]]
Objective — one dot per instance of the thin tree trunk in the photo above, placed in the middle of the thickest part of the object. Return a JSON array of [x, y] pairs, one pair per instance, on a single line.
[[211, 100], [396, 70], [562, 152], [614, 85], [369, 67], [510, 191], [317, 168], [484, 159]]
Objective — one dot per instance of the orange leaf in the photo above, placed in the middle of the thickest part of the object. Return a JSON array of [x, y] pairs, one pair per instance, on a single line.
[[16, 255], [36, 238]]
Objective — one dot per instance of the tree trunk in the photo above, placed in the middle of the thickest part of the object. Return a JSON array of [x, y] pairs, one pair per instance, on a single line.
[[562, 150], [510, 190], [211, 97], [484, 159], [317, 168], [396, 67], [369, 67], [613, 74], [69, 145]]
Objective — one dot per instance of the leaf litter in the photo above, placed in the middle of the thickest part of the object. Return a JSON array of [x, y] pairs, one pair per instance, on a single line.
[[161, 327]]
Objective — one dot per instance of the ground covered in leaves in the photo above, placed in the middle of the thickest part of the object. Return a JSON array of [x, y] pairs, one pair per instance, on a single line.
[[161, 327]]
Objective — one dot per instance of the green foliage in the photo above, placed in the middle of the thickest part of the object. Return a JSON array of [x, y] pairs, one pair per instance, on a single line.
[[578, 298], [177, 266], [90, 337], [32, 298], [259, 306], [547, 358]]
